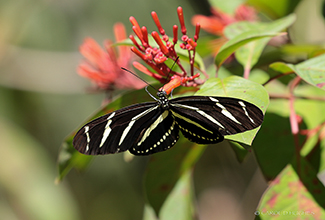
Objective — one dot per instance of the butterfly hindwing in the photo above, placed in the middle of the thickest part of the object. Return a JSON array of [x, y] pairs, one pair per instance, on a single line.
[[220, 115], [194, 126], [160, 135]]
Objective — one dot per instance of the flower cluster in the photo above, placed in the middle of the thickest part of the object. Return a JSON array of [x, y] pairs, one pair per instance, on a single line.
[[155, 56], [103, 67]]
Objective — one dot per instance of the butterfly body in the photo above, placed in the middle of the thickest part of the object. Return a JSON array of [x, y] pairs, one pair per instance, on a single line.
[[152, 127]]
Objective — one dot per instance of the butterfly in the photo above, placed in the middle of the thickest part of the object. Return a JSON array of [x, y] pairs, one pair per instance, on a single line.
[[151, 127]]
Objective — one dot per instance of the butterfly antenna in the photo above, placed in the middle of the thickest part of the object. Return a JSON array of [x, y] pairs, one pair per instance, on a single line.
[[146, 88], [171, 69], [139, 78]]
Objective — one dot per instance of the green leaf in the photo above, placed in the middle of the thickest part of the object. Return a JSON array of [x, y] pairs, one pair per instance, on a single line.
[[312, 71], [274, 146], [179, 204], [241, 88], [249, 54], [282, 67], [149, 213], [235, 29], [239, 150], [126, 42], [295, 193], [232, 45], [166, 168]]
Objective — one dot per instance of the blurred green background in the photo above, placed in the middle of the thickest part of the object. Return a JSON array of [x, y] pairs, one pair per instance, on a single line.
[[42, 99]]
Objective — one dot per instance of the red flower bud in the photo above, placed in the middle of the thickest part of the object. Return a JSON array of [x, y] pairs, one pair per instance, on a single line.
[[162, 47], [181, 19], [157, 22]]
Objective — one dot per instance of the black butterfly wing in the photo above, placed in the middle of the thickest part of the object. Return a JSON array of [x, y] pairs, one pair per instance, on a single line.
[[142, 129], [160, 135], [114, 132], [206, 119], [194, 126]]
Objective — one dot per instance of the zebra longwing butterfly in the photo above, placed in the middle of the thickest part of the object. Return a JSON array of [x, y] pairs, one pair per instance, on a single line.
[[152, 127]]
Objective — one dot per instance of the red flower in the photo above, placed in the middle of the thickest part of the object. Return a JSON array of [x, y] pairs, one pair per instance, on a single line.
[[155, 56], [103, 67]]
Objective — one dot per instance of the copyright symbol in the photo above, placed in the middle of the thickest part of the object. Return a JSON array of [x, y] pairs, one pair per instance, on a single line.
[[256, 213]]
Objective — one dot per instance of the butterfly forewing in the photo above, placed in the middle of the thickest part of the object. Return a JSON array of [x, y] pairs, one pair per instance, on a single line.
[[116, 131]]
